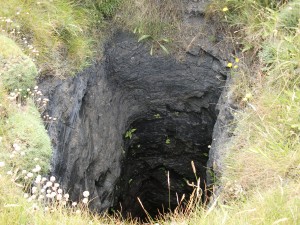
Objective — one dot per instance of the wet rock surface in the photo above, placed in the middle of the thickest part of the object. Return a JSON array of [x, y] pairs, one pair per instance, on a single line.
[[171, 105]]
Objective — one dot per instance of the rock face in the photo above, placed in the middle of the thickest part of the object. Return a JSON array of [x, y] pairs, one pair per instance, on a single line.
[[223, 130], [168, 107]]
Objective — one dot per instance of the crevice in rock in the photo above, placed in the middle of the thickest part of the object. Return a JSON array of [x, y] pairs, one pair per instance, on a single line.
[[172, 106]]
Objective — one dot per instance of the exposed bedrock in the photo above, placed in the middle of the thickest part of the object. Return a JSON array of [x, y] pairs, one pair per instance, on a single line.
[[172, 106]]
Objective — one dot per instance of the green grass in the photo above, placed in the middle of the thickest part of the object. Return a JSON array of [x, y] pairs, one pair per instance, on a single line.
[[63, 36], [16, 69], [25, 126], [21, 124], [275, 206], [158, 21], [263, 159], [56, 29], [262, 168]]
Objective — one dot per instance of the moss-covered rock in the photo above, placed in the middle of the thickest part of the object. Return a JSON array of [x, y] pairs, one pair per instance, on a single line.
[[16, 69]]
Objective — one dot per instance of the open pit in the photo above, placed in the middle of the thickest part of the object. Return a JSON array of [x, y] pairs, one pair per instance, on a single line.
[[168, 106]]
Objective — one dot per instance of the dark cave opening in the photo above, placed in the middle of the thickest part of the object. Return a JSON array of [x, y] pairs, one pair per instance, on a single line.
[[162, 143]]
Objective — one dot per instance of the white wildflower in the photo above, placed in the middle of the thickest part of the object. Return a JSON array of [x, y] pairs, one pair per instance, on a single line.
[[38, 179], [38, 168], [53, 194], [66, 196], [33, 189], [49, 184], [58, 197], [17, 147], [52, 178], [85, 200], [86, 194], [29, 175]]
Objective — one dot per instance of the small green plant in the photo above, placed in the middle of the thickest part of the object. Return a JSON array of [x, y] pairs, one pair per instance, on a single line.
[[154, 42], [129, 133], [108, 7], [168, 141], [157, 116]]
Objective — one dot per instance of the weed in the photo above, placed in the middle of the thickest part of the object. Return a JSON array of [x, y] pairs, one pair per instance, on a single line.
[[168, 141], [157, 116], [129, 133], [155, 42]]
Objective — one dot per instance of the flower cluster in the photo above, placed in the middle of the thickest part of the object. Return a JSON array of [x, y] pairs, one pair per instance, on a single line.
[[43, 193], [48, 194], [20, 96], [86, 195], [47, 191], [233, 65], [16, 151], [13, 30]]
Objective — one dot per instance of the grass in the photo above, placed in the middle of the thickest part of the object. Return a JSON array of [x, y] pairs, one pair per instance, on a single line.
[[25, 142], [17, 69], [261, 177], [59, 34], [263, 158], [51, 31], [63, 36], [156, 22]]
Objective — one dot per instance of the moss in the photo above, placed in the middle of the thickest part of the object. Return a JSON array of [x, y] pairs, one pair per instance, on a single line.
[[16, 69]]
